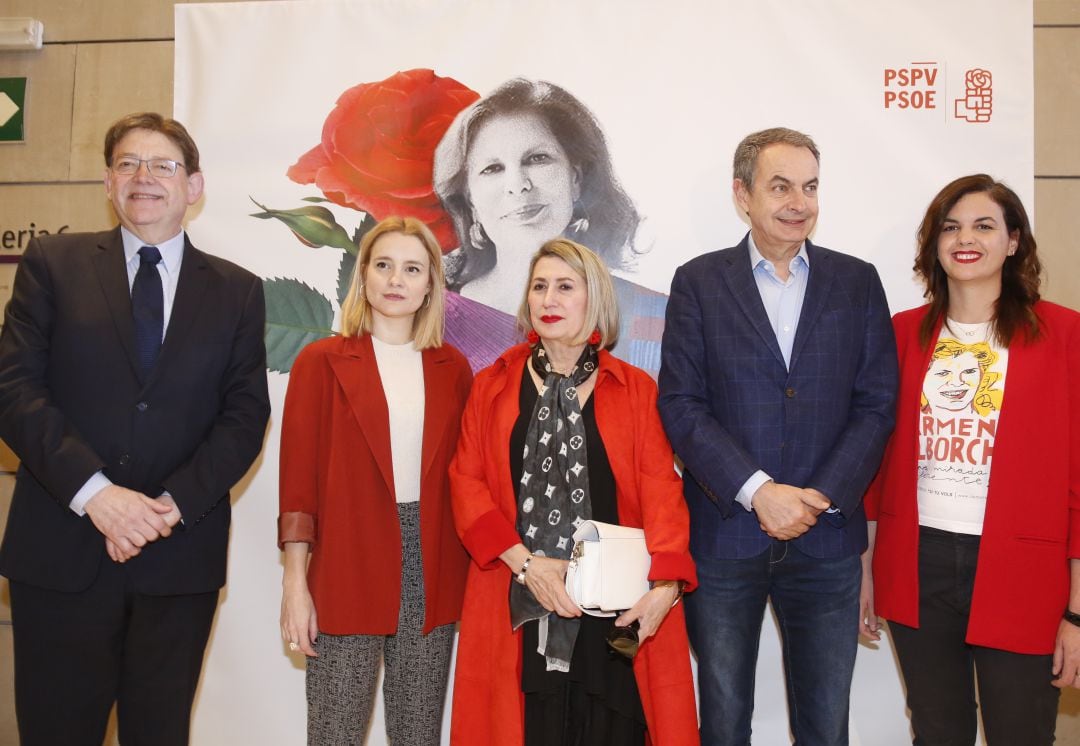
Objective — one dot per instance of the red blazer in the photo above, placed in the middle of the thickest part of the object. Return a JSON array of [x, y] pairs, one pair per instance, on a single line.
[[488, 703], [1032, 522], [337, 485]]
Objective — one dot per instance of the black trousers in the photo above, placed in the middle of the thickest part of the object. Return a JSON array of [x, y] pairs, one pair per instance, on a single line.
[[77, 653], [1019, 704]]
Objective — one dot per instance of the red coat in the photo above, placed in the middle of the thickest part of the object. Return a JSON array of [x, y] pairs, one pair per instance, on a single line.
[[1032, 522], [337, 485], [488, 703]]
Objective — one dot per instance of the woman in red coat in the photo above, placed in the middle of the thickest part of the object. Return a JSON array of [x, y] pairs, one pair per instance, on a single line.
[[555, 432], [976, 559], [371, 422]]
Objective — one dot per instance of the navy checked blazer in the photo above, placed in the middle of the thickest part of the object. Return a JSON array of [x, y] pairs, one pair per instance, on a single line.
[[730, 406]]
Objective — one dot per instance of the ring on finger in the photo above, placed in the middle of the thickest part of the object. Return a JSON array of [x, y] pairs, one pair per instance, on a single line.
[[293, 646]]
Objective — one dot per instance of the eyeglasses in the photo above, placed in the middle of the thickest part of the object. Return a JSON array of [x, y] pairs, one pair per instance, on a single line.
[[624, 640], [160, 168]]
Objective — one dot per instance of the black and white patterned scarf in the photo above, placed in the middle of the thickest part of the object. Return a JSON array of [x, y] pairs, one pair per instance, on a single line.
[[553, 497]]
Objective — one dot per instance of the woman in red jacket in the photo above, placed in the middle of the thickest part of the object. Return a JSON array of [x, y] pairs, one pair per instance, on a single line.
[[976, 559], [555, 432], [370, 425]]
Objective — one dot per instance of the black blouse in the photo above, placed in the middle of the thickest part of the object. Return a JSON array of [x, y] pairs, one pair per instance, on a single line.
[[605, 674]]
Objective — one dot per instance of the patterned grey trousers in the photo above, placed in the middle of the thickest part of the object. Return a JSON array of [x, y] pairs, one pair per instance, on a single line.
[[341, 681]]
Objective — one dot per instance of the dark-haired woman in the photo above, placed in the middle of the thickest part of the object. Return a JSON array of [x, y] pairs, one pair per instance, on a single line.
[[975, 562], [525, 164]]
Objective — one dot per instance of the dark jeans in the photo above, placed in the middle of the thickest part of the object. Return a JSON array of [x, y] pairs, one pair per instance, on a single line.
[[1018, 702], [817, 604]]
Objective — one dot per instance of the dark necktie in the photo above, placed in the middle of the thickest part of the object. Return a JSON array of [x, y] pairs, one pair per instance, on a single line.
[[148, 308]]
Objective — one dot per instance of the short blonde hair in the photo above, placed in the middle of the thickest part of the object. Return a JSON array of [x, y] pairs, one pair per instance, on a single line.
[[428, 321], [601, 308]]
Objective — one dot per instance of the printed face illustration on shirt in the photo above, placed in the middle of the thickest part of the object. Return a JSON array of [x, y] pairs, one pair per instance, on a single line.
[[958, 378], [952, 382]]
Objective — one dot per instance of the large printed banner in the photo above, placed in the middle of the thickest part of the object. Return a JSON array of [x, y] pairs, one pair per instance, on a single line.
[[614, 122]]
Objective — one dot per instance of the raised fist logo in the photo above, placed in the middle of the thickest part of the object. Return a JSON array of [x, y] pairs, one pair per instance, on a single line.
[[978, 101]]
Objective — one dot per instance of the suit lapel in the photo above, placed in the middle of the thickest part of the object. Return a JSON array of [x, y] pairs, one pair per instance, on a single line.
[[187, 303], [818, 286], [439, 387], [358, 373], [112, 275], [739, 276]]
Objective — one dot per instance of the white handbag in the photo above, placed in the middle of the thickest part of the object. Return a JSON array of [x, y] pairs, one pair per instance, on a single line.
[[609, 568]]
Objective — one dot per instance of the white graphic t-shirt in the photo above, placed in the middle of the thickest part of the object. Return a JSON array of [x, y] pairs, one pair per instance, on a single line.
[[960, 405]]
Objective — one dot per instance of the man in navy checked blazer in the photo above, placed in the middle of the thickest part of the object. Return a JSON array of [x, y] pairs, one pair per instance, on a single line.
[[777, 384]]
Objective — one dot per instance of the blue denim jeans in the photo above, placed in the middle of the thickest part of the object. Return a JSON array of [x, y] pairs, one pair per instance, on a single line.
[[817, 604]]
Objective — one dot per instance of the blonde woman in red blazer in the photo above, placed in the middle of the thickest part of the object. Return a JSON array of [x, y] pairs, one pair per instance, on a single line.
[[373, 569], [1001, 606], [570, 293]]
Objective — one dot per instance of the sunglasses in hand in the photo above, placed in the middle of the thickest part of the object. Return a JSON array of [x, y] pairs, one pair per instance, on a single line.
[[624, 640]]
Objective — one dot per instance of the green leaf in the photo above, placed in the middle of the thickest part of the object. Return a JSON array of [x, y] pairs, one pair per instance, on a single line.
[[344, 276], [314, 199], [314, 225], [365, 225], [296, 315]]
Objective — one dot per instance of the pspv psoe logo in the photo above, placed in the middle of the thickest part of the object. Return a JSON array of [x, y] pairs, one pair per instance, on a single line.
[[922, 86], [977, 103]]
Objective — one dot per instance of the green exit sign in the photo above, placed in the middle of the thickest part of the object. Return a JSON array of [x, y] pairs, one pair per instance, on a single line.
[[12, 109]]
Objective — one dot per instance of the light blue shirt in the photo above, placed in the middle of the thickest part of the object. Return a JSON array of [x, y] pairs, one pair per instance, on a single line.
[[172, 254], [783, 301]]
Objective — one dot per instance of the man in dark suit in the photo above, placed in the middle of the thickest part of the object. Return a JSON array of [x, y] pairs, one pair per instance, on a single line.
[[777, 383], [133, 390]]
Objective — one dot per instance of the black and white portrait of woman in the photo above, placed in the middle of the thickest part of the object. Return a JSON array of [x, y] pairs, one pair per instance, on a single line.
[[526, 163]]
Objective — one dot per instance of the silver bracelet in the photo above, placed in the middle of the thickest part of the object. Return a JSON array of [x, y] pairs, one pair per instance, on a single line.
[[524, 569]]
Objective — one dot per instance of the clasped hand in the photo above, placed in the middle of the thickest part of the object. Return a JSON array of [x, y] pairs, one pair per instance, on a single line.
[[786, 512], [130, 520]]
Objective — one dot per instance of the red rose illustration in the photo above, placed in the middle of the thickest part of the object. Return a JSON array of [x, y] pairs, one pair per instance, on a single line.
[[980, 80], [378, 144]]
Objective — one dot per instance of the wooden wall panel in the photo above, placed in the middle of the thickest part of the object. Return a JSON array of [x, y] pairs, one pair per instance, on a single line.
[[1057, 12], [50, 75], [1057, 201], [84, 20], [8, 733], [112, 80], [1057, 101], [80, 207], [99, 20]]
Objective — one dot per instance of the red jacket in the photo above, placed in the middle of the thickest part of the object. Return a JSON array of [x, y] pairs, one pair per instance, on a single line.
[[1032, 523], [488, 703], [337, 485]]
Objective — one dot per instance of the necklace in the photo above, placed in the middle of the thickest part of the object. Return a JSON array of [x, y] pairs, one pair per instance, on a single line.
[[970, 331]]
